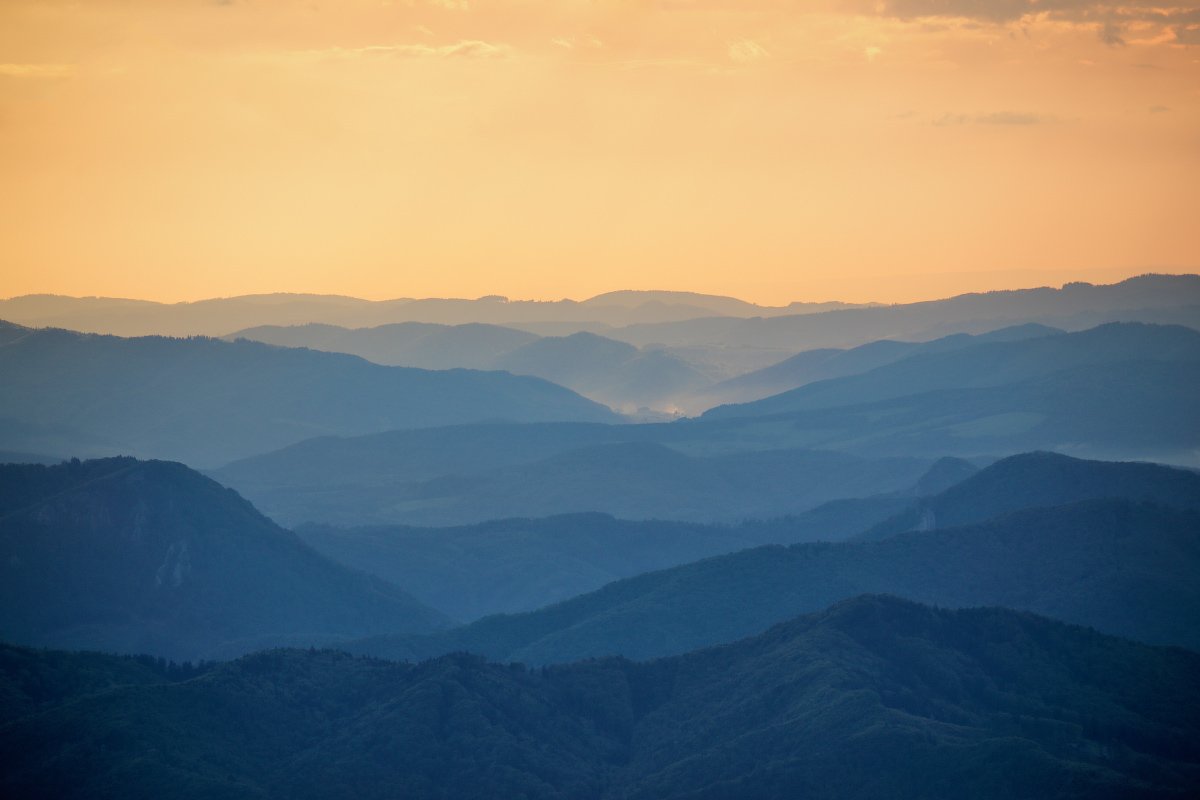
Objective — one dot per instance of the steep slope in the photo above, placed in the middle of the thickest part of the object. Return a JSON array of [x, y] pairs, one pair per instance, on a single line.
[[874, 698], [1032, 480], [125, 555], [1123, 568], [204, 401]]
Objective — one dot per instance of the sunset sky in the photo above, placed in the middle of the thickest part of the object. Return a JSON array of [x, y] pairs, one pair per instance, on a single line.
[[772, 150]]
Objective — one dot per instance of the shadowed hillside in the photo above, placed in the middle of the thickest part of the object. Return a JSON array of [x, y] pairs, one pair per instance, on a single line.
[[135, 556]]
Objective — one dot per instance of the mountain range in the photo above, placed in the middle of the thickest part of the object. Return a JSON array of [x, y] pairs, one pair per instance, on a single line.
[[1157, 299], [676, 319], [219, 316], [608, 371], [1120, 391], [206, 402]]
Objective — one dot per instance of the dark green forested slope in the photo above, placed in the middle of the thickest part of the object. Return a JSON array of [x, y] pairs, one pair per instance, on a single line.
[[137, 556], [206, 401], [875, 698], [1124, 568]]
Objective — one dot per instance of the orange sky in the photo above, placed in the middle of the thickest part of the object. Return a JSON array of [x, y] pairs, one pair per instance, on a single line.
[[773, 150]]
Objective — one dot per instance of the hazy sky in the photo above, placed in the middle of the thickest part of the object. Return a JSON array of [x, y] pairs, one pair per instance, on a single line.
[[774, 150]]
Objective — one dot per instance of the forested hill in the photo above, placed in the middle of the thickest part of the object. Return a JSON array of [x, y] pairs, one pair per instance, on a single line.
[[136, 556], [873, 698]]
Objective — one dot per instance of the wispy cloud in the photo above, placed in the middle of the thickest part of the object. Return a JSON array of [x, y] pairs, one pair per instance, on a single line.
[[37, 70], [995, 118], [747, 51], [467, 48]]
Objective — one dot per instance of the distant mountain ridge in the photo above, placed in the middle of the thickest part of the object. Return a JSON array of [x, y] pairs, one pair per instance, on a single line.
[[205, 401], [608, 371], [811, 366], [875, 697], [144, 556], [1157, 299], [219, 316], [644, 318], [985, 364]]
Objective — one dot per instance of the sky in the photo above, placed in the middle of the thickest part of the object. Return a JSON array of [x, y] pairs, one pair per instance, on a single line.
[[884, 150]]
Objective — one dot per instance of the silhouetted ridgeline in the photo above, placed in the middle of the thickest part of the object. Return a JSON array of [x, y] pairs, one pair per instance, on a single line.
[[674, 318], [1159, 299], [219, 316], [133, 556], [874, 698], [205, 402]]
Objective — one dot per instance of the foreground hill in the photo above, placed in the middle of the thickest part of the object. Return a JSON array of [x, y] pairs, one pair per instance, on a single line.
[[874, 698], [1123, 568], [205, 402], [133, 556]]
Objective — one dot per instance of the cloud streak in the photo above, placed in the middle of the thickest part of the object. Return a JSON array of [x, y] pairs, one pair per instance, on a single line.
[[37, 70]]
